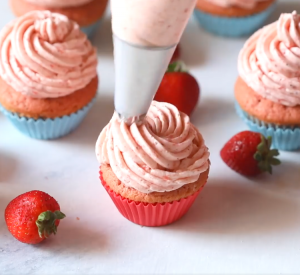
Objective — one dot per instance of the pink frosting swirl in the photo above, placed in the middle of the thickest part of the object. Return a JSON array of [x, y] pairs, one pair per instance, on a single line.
[[45, 55], [163, 154], [270, 61], [59, 3], [245, 4]]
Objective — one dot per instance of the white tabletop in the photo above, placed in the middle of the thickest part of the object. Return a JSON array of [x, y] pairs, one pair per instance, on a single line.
[[236, 225]]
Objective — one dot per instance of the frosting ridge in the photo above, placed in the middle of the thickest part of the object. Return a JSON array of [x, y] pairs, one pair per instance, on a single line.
[[45, 55], [269, 62], [163, 154]]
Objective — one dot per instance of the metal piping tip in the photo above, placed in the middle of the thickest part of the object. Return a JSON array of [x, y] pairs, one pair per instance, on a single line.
[[130, 120], [138, 73]]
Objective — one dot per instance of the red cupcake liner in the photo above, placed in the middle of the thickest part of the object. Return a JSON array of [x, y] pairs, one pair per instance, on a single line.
[[150, 214]]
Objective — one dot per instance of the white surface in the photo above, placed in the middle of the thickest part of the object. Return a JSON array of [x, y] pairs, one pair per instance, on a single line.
[[235, 226]]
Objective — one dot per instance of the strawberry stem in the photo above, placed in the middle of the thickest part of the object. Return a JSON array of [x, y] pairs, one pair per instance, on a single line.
[[265, 156], [177, 66], [46, 222]]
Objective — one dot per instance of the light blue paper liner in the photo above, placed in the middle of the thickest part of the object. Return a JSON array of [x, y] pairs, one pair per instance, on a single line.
[[233, 26], [91, 29], [284, 138], [47, 128]]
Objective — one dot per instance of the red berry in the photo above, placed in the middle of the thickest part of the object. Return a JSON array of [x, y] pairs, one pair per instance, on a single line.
[[249, 154], [176, 54], [180, 89], [33, 216]]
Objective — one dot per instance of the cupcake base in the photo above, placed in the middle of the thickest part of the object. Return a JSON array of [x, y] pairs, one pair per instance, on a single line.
[[84, 15], [150, 214], [47, 129], [284, 138], [233, 26]]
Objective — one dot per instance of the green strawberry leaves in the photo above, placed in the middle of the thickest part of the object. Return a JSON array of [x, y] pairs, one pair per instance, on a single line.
[[46, 222], [265, 156], [177, 66]]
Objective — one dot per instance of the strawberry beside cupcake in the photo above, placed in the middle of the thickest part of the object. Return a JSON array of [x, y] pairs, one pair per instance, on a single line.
[[87, 13], [180, 88], [153, 172], [233, 18], [48, 76], [268, 89]]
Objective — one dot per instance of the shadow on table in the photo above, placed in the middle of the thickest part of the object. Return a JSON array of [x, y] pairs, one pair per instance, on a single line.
[[191, 46], [4, 201], [284, 7], [8, 165], [98, 117], [213, 110], [3, 229], [103, 38], [75, 238], [226, 209], [287, 177]]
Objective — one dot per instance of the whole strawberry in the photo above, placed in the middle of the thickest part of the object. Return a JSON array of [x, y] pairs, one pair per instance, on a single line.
[[249, 154], [179, 88], [33, 216]]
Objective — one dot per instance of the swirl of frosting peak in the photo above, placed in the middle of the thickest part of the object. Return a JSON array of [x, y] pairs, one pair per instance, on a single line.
[[163, 154], [245, 4], [45, 55], [59, 3], [270, 61]]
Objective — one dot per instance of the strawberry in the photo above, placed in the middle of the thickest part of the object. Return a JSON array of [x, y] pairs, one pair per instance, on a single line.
[[249, 154], [176, 54], [179, 88], [33, 216]]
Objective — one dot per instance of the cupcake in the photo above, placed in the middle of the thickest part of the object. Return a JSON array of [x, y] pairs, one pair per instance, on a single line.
[[153, 172], [87, 13], [268, 88], [233, 18], [48, 76]]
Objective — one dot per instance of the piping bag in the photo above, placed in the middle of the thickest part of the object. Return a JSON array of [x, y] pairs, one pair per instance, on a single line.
[[145, 36]]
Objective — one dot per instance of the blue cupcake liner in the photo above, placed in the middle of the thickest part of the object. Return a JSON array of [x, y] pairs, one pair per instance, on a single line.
[[91, 29], [47, 128], [284, 138], [235, 26]]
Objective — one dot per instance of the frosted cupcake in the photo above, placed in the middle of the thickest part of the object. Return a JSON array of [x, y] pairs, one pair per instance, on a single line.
[[268, 89], [153, 172], [87, 13], [233, 18], [48, 76]]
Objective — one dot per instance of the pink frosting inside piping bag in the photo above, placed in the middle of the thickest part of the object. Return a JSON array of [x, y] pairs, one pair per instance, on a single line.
[[163, 154], [45, 55], [59, 3], [270, 61], [155, 23], [245, 4]]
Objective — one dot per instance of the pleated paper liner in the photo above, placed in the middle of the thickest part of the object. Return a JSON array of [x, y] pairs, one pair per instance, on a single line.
[[233, 26], [284, 138], [47, 128], [147, 214]]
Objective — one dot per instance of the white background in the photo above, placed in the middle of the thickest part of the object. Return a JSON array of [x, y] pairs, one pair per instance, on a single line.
[[235, 226]]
